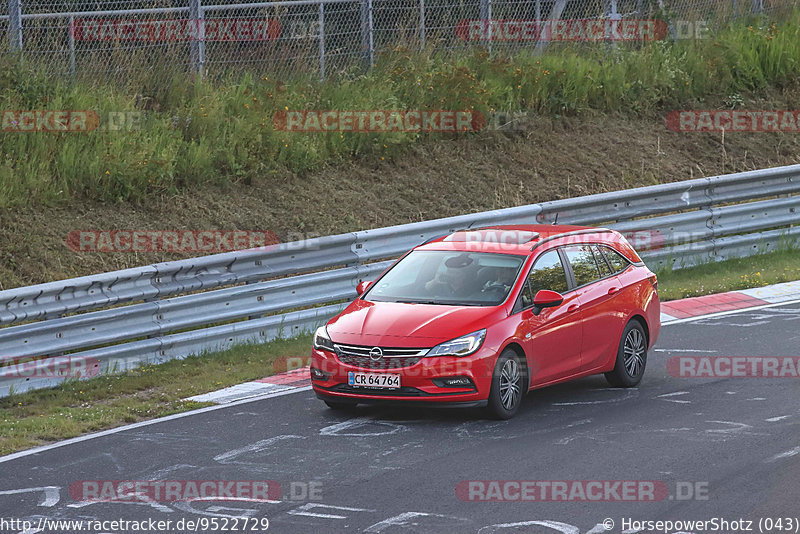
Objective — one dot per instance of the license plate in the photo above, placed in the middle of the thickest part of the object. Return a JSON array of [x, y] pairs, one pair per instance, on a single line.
[[373, 380]]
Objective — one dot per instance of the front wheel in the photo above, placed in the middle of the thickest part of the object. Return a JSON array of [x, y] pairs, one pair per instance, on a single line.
[[631, 357], [508, 381]]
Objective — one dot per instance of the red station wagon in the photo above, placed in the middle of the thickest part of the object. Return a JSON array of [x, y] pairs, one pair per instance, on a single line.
[[482, 316]]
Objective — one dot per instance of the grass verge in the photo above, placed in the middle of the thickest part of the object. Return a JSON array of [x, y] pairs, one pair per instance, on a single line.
[[730, 275], [75, 408]]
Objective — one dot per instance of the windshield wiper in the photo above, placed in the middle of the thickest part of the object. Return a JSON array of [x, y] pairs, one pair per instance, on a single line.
[[418, 301]]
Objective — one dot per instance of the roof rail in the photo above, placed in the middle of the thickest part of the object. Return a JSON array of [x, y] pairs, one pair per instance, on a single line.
[[574, 232]]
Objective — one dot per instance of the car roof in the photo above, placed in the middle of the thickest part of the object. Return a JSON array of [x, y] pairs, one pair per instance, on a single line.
[[507, 239]]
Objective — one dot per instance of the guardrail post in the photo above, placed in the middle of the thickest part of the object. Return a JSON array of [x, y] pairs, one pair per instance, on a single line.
[[197, 46], [367, 39], [15, 25], [321, 24]]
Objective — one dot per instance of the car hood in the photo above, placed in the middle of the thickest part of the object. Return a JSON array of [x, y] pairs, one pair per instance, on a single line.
[[395, 324]]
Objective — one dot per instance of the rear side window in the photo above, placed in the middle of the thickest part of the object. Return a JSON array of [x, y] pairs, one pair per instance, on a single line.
[[548, 273], [617, 260], [605, 270], [583, 265]]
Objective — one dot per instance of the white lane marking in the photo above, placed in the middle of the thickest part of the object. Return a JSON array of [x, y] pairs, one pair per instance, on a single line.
[[408, 519], [779, 418], [787, 454], [628, 393], [305, 510], [87, 437], [51, 494], [227, 457], [733, 427], [349, 428], [757, 399], [555, 525], [730, 312], [685, 350], [665, 397]]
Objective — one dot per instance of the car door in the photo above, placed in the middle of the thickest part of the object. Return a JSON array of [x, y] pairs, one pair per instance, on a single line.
[[552, 339], [597, 288]]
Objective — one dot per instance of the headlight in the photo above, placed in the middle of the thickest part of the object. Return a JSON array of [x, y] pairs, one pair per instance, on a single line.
[[322, 341], [462, 346]]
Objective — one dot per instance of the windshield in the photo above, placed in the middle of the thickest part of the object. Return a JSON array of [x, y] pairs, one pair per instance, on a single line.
[[449, 278]]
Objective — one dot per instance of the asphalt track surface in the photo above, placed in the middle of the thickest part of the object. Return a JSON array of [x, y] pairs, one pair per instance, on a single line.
[[734, 441]]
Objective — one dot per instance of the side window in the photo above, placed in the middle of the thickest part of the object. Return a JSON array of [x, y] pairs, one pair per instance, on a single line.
[[548, 273], [525, 297], [618, 261], [583, 264], [605, 270]]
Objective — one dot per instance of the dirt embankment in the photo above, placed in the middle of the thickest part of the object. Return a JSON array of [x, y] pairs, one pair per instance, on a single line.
[[549, 158]]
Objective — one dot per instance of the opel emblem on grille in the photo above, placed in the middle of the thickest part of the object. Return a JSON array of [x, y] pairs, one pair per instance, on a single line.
[[376, 354]]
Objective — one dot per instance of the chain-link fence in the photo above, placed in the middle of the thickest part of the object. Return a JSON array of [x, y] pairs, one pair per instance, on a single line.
[[113, 38]]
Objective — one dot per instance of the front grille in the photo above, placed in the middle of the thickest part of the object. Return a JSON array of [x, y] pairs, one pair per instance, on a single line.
[[393, 358]]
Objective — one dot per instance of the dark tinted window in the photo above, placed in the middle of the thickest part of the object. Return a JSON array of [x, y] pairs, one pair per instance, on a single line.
[[583, 264], [448, 278], [605, 270], [525, 298], [617, 260], [548, 273]]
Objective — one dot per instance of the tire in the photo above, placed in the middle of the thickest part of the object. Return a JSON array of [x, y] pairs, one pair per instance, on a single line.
[[341, 406], [509, 383], [631, 357]]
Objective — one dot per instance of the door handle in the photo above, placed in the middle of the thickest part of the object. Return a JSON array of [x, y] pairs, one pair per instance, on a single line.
[[613, 290], [572, 308]]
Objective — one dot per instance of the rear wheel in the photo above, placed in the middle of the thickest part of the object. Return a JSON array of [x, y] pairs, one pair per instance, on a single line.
[[631, 357], [508, 385], [341, 406]]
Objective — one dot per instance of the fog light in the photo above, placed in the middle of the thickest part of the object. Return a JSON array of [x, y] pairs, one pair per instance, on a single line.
[[316, 374], [454, 382]]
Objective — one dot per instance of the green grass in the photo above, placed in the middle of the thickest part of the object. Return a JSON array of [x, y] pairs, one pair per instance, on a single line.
[[730, 275], [75, 408], [79, 407], [221, 131]]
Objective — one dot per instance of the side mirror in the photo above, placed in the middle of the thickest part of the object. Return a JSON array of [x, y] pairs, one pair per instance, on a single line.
[[546, 299], [362, 287]]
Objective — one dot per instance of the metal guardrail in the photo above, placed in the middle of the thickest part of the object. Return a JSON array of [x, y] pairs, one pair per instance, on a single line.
[[118, 320]]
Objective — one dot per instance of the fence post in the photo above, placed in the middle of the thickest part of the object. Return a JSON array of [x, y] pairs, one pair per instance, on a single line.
[[321, 23], [15, 25], [422, 24], [367, 41], [72, 46], [486, 20], [197, 46]]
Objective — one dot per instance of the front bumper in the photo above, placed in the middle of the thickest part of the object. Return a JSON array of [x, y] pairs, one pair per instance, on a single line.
[[418, 382]]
